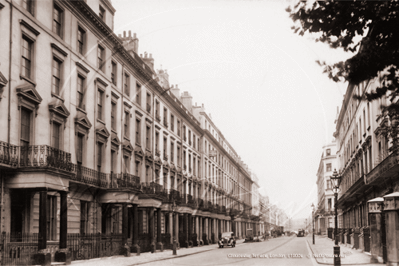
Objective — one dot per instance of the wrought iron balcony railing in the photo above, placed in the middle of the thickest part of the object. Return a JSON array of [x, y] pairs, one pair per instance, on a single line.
[[124, 180], [44, 156], [9, 154], [88, 176], [153, 189]]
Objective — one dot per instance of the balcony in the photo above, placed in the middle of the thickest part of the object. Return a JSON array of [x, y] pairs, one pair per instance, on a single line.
[[153, 190], [158, 117], [88, 176], [8, 154], [148, 108], [174, 196], [165, 123], [157, 153], [124, 181], [201, 204], [165, 156], [44, 156]]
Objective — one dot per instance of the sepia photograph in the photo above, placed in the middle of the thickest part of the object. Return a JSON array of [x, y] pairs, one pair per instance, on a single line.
[[199, 132]]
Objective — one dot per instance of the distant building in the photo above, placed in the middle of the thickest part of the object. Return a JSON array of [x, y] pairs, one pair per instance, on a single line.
[[324, 214]]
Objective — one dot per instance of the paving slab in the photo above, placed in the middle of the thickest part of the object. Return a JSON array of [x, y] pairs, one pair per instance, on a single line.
[[146, 257], [323, 251]]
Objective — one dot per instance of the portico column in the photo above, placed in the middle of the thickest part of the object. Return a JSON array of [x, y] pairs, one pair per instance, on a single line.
[[197, 230], [185, 228], [124, 223], [190, 227], [216, 229], [200, 228], [171, 227], [136, 247], [159, 239], [62, 254], [177, 227], [43, 221], [152, 225], [42, 257], [206, 228]]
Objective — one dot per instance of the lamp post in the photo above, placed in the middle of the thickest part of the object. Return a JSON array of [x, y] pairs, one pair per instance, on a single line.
[[313, 222], [336, 179]]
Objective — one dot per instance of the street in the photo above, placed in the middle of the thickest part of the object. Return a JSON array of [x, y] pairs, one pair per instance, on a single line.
[[277, 251]]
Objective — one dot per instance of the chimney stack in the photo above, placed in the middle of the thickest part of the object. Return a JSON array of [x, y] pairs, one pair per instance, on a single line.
[[131, 44], [163, 78], [187, 101], [149, 60], [176, 91]]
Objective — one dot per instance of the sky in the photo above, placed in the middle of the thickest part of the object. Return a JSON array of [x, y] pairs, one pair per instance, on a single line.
[[257, 79]]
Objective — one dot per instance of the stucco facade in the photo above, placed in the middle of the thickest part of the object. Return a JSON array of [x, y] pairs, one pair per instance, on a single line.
[[98, 146]]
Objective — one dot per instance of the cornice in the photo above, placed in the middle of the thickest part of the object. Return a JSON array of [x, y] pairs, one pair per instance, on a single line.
[[59, 49], [80, 65]]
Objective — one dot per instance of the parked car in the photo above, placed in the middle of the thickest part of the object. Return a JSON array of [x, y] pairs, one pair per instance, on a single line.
[[301, 232], [227, 239]]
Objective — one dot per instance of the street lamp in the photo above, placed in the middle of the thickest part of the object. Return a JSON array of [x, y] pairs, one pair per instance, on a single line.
[[336, 179], [313, 221]]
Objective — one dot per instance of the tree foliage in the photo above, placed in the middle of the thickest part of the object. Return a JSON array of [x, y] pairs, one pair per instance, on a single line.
[[369, 28]]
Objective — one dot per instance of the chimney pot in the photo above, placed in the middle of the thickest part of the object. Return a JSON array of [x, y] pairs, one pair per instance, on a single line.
[[124, 34], [176, 86], [120, 35], [173, 86], [141, 55], [150, 55], [130, 33], [134, 35]]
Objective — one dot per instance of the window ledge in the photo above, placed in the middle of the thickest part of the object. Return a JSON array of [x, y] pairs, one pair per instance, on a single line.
[[28, 80], [126, 138], [99, 120], [80, 109], [57, 96], [114, 131]]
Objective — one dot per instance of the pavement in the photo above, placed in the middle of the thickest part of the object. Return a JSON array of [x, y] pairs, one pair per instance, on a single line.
[[323, 251], [147, 257]]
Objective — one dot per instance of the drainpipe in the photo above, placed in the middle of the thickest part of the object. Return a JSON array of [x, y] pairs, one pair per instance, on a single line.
[[122, 113], [9, 78], [153, 130]]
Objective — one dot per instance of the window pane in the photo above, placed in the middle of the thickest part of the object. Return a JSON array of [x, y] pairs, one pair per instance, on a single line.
[[56, 135], [25, 126], [79, 148], [26, 57], [56, 76], [57, 21]]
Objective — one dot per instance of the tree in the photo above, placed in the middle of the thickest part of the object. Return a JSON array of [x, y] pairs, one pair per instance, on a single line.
[[368, 28]]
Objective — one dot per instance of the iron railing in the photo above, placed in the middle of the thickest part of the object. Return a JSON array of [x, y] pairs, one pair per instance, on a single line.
[[18, 248], [8, 154], [89, 246], [124, 180], [44, 156], [89, 176]]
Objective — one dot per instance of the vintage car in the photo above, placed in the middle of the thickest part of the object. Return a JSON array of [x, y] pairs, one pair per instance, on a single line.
[[227, 239], [301, 232]]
